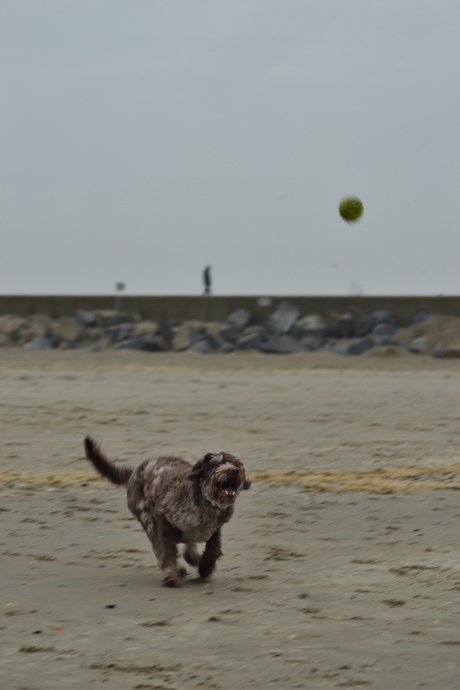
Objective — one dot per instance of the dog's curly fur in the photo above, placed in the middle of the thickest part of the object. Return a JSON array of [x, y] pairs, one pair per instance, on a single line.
[[177, 503]]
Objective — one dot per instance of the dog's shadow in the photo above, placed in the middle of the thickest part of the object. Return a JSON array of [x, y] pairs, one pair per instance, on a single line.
[[152, 582]]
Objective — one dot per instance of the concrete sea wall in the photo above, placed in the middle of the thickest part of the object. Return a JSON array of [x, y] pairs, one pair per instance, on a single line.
[[217, 308]]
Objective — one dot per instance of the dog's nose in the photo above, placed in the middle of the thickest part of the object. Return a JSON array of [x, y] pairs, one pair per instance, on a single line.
[[234, 470]]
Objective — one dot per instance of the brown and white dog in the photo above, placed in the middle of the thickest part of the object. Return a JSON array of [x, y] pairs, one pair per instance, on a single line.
[[179, 503]]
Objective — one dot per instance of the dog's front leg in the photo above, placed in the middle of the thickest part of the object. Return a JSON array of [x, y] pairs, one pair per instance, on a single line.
[[165, 550], [210, 555]]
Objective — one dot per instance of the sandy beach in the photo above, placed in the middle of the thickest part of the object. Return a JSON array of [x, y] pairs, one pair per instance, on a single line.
[[341, 566]]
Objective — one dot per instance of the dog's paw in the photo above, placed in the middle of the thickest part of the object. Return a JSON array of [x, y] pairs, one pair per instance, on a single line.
[[182, 572], [171, 581], [205, 573]]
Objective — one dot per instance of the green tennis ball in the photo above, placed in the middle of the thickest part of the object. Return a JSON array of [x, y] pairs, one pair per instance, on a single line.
[[351, 209]]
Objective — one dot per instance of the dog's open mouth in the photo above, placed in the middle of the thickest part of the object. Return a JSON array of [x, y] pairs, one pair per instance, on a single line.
[[229, 488]]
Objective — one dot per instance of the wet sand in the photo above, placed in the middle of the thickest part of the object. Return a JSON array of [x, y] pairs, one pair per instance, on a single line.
[[341, 565]]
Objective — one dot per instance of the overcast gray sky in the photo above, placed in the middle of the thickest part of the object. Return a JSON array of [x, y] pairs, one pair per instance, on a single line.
[[142, 140]]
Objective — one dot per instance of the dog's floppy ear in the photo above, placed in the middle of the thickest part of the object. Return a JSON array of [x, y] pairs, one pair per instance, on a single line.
[[247, 484], [199, 467]]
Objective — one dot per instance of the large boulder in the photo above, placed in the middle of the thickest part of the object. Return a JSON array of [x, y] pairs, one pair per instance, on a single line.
[[451, 351], [92, 336], [121, 332], [282, 345], [40, 342], [146, 329], [384, 329], [202, 347], [361, 324], [11, 325], [184, 336], [343, 326], [312, 343], [437, 330], [36, 324], [19, 330], [188, 333], [110, 317], [251, 338], [161, 340], [387, 340], [208, 343], [213, 327], [383, 334], [162, 334], [282, 319], [232, 328], [239, 319], [418, 345], [66, 330], [312, 325], [101, 343], [87, 319], [381, 316], [134, 343], [229, 333], [214, 341], [156, 344], [226, 347], [420, 318], [353, 347]]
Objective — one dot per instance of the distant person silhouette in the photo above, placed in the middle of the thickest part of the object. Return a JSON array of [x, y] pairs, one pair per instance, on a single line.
[[207, 280]]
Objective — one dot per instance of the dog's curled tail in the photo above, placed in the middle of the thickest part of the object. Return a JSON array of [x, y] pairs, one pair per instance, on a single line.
[[108, 469]]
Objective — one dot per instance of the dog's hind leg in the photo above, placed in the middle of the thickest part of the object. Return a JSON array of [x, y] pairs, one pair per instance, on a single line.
[[210, 555], [192, 555]]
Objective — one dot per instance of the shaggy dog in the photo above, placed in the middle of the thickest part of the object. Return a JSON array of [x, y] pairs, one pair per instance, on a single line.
[[177, 503]]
